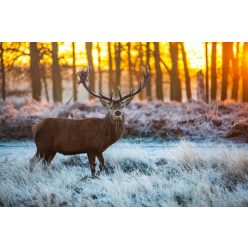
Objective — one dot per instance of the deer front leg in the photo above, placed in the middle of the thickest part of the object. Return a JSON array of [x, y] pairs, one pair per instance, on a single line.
[[91, 158], [101, 160]]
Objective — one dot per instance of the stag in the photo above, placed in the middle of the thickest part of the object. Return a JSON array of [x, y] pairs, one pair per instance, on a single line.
[[90, 135]]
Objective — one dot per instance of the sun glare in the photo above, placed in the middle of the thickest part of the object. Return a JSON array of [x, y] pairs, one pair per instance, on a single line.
[[195, 54]]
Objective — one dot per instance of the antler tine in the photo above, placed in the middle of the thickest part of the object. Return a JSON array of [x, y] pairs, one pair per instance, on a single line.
[[141, 84], [143, 72], [111, 96], [119, 90], [100, 93], [83, 78]]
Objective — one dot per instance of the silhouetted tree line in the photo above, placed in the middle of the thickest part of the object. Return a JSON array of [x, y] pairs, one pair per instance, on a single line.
[[234, 68]]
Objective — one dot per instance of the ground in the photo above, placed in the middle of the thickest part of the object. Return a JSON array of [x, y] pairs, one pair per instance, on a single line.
[[169, 121], [140, 173], [172, 155]]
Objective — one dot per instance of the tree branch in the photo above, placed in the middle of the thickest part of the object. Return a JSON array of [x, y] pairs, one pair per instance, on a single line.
[[23, 53], [166, 67]]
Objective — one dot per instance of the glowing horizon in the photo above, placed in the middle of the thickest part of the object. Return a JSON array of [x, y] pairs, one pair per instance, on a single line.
[[195, 54]]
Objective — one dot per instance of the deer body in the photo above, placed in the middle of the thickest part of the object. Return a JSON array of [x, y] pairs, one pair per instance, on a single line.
[[87, 135], [69, 137], [90, 135]]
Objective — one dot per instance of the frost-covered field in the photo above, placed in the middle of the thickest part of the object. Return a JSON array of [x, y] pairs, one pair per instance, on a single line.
[[170, 121], [152, 166], [141, 172]]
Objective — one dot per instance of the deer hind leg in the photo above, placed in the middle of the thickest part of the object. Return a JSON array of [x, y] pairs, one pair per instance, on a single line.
[[101, 160], [35, 159], [48, 157], [92, 158]]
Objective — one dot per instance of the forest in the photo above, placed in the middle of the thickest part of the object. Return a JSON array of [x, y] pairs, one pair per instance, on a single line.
[[48, 71]]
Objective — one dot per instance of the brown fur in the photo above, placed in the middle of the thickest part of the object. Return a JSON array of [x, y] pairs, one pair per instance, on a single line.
[[36, 127], [68, 136]]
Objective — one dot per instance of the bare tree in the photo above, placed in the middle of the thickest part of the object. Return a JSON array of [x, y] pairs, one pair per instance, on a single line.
[[226, 56], [99, 66], [141, 94], [176, 92], [3, 71], [56, 74], [148, 87], [110, 68], [43, 76], [130, 67], [207, 81], [235, 66], [213, 73], [186, 72], [74, 75], [117, 66], [159, 82], [91, 66], [245, 72], [35, 71]]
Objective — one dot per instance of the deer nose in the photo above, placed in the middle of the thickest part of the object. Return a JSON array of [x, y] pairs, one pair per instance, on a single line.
[[117, 113]]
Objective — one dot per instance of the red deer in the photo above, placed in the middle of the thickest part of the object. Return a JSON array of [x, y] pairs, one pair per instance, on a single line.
[[90, 135]]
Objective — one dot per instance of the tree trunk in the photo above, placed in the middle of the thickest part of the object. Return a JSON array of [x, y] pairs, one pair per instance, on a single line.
[[159, 82], [3, 72], [226, 56], [43, 75], [110, 68], [213, 73], [99, 66], [235, 66], [148, 86], [245, 72], [141, 94], [130, 68], [117, 67], [176, 92], [207, 81], [35, 71], [74, 76], [91, 66], [186, 73], [56, 74]]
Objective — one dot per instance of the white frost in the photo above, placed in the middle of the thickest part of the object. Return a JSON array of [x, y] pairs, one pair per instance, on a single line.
[[140, 173]]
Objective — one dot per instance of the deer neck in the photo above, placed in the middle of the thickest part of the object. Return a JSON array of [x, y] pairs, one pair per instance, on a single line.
[[115, 128]]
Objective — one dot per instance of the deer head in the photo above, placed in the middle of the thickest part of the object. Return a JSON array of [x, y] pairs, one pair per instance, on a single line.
[[115, 107]]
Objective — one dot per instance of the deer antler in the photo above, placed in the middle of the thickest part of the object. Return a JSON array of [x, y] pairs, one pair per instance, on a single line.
[[83, 78], [141, 85]]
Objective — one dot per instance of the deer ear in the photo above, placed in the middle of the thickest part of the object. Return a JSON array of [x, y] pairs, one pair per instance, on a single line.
[[127, 101], [104, 103]]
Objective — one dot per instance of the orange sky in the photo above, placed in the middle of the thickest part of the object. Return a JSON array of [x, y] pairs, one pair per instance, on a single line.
[[195, 52]]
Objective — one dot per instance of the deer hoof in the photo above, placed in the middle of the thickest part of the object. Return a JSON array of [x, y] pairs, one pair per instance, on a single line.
[[95, 176]]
